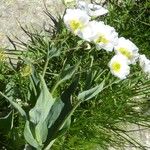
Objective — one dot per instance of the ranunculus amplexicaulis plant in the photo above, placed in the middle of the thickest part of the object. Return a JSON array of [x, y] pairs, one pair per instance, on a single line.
[[51, 115], [53, 100]]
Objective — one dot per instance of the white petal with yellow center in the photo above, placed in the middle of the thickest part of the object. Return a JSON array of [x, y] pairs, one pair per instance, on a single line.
[[75, 20], [106, 37], [119, 66], [128, 49], [75, 24]]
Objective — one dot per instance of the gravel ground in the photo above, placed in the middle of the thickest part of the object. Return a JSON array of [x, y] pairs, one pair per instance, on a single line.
[[30, 12]]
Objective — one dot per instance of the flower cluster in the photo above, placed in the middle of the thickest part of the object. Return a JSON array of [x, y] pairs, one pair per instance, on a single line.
[[79, 20]]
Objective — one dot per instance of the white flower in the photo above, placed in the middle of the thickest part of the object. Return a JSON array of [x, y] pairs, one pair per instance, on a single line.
[[83, 6], [96, 10], [89, 32], [128, 49], [106, 37], [144, 64], [119, 66], [76, 19], [92, 10]]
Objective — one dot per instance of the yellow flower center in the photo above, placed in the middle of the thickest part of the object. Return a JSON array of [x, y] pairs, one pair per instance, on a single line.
[[75, 24], [116, 66], [102, 39], [125, 52]]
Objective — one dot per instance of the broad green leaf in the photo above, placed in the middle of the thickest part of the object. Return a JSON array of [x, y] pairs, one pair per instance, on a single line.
[[15, 105], [43, 104], [89, 94], [59, 113], [29, 136], [41, 131], [6, 122], [40, 113], [55, 112], [52, 118], [64, 101], [64, 127]]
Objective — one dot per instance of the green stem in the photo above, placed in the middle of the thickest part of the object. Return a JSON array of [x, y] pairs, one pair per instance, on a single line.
[[33, 86], [92, 59], [55, 87], [45, 67]]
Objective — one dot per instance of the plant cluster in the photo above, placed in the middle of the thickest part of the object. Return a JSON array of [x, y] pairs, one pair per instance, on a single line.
[[62, 79]]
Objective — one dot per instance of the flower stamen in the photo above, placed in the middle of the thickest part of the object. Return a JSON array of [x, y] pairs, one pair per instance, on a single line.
[[125, 52], [116, 66], [75, 24], [102, 39]]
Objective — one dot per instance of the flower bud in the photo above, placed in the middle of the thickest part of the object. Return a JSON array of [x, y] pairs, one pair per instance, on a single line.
[[69, 3], [26, 71]]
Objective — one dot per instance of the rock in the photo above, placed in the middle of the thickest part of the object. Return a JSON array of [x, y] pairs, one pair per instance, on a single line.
[[26, 13]]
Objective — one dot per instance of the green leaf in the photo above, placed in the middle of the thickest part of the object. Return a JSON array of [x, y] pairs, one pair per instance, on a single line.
[[29, 136], [64, 127], [50, 145], [40, 113], [53, 52], [89, 79], [59, 120], [6, 122], [15, 105], [9, 92], [66, 95], [89, 94], [67, 73], [54, 120], [60, 103], [43, 104], [55, 112], [41, 131]]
